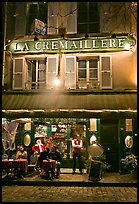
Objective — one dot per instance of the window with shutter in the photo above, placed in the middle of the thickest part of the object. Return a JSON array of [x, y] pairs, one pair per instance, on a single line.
[[88, 17], [20, 19], [35, 10], [71, 18], [52, 27], [106, 73], [70, 72], [18, 64], [88, 72], [36, 74], [52, 71]]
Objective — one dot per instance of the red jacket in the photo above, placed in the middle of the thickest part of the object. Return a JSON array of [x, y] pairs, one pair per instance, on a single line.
[[38, 148]]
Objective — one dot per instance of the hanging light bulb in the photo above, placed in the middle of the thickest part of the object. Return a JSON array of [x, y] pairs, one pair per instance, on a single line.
[[57, 81]]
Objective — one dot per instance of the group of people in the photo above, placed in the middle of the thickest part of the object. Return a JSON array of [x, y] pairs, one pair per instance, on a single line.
[[51, 152], [47, 152]]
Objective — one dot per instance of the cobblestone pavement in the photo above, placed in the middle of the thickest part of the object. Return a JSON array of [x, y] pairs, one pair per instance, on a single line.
[[68, 194]]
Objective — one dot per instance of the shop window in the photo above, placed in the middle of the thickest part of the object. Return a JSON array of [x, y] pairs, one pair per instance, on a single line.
[[88, 17], [88, 76]]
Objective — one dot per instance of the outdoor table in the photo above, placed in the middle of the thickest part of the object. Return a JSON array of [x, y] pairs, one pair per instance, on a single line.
[[20, 163], [49, 165], [7, 165]]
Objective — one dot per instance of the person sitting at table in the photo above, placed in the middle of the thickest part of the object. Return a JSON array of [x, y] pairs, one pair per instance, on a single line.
[[34, 160], [21, 154], [38, 147], [55, 155], [45, 155]]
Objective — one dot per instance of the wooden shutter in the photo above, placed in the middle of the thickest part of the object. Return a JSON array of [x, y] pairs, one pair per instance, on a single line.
[[52, 26], [52, 68], [20, 20], [106, 74], [72, 18], [70, 72], [18, 64]]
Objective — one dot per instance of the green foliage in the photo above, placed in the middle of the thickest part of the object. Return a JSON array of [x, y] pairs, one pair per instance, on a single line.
[[130, 162]]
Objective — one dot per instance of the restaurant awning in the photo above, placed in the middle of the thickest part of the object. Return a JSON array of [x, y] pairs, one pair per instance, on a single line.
[[69, 104]]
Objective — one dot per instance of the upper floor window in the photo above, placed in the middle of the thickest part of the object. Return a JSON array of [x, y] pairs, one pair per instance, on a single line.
[[88, 72], [36, 10], [88, 17]]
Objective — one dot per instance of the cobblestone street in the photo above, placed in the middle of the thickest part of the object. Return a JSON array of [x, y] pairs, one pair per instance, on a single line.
[[68, 194]]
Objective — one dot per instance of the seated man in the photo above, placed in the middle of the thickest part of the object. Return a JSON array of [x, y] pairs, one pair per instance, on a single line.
[[45, 155], [55, 155]]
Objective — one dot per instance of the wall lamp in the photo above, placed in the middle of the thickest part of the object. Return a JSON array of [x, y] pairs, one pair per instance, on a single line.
[[36, 38]]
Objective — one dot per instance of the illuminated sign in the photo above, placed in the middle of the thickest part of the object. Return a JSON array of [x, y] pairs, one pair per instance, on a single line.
[[96, 44]]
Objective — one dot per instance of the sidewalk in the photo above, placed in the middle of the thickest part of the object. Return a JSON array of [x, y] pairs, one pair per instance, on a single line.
[[68, 179]]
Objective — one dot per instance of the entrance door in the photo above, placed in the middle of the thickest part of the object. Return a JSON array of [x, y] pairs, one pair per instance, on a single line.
[[109, 141]]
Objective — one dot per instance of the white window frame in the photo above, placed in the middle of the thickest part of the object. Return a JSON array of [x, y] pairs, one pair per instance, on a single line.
[[88, 80]]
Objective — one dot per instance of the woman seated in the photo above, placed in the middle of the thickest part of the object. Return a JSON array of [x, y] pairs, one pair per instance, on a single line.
[[19, 172]]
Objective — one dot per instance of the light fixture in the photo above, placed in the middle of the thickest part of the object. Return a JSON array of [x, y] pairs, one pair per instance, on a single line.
[[57, 81], [93, 139], [113, 35], [86, 35], [36, 38]]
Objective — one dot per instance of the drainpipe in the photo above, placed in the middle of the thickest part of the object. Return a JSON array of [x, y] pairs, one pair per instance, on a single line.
[[4, 46]]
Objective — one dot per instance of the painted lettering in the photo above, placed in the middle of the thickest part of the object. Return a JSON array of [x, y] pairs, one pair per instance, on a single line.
[[104, 43], [112, 43], [94, 44], [46, 45], [63, 45], [121, 42], [16, 47], [86, 44], [73, 45], [37, 45], [26, 47], [54, 45]]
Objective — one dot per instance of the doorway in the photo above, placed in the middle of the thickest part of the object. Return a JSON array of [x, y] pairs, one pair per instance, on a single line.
[[109, 141]]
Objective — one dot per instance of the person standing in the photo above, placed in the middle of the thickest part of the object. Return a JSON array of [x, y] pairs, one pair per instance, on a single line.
[[77, 145]]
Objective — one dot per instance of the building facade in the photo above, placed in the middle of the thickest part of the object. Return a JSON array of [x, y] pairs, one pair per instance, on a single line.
[[72, 71]]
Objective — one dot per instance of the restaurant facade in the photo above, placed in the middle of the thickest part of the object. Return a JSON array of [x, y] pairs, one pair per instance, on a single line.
[[68, 71]]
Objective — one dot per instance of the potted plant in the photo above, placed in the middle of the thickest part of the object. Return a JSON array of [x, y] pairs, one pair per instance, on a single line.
[[129, 163]]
